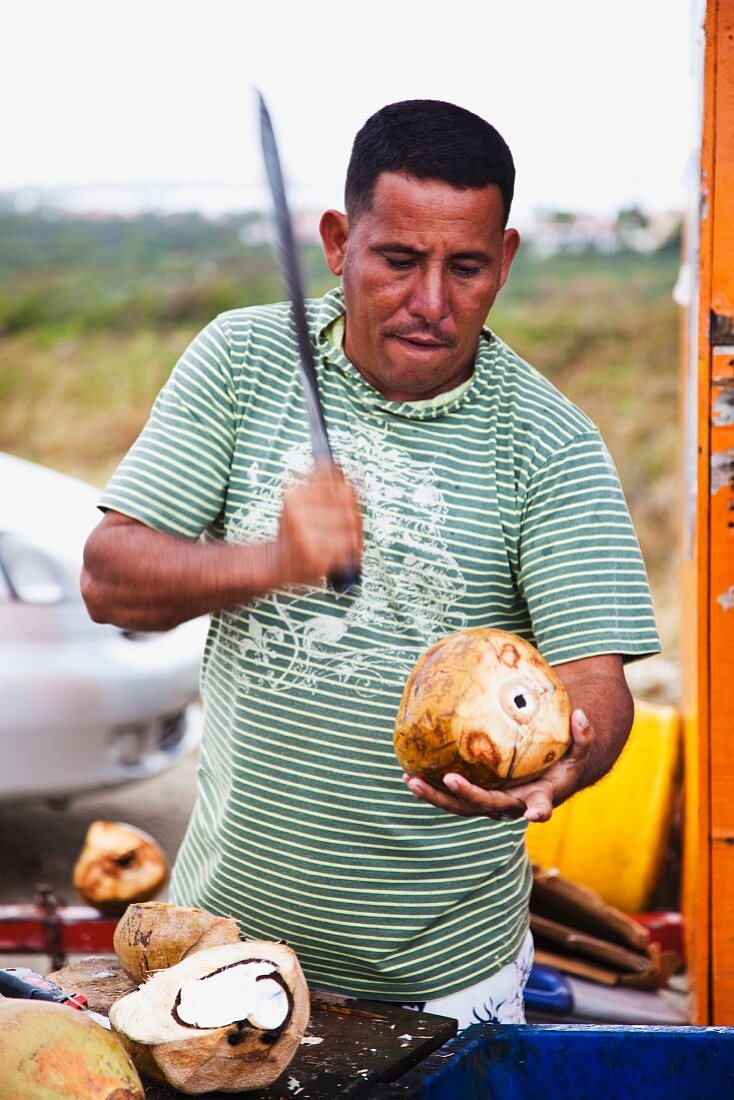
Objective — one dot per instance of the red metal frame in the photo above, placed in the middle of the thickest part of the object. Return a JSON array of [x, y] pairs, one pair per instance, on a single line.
[[48, 927]]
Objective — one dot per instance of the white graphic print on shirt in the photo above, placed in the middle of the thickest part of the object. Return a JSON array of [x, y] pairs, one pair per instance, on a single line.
[[406, 564]]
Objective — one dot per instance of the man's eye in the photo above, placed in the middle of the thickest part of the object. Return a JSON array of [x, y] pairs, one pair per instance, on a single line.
[[399, 265], [465, 272]]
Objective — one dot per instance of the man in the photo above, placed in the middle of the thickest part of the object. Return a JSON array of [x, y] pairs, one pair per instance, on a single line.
[[474, 495]]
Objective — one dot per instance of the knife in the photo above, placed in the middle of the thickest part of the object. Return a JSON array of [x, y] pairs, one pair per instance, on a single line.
[[290, 273], [22, 982]]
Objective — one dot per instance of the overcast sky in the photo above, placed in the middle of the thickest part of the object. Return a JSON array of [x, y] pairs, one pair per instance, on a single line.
[[597, 100]]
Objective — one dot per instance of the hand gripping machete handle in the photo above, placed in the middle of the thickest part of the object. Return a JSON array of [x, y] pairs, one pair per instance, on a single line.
[[290, 273]]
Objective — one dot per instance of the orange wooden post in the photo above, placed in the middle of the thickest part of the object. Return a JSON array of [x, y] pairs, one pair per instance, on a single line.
[[708, 544]]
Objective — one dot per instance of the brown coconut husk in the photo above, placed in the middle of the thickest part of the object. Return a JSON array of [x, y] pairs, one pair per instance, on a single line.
[[152, 936], [234, 1057], [484, 704], [99, 978]]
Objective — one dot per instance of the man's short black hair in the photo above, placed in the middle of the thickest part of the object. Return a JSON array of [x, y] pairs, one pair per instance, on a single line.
[[428, 139]]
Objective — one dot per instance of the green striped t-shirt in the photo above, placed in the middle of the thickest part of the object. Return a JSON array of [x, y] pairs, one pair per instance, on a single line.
[[495, 505]]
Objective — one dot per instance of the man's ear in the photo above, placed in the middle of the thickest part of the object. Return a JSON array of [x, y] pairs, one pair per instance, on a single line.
[[510, 245], [334, 229]]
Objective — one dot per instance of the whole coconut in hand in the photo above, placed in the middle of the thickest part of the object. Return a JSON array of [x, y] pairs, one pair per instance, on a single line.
[[483, 704]]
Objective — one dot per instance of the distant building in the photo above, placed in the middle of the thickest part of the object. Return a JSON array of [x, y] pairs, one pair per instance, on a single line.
[[305, 228], [558, 231]]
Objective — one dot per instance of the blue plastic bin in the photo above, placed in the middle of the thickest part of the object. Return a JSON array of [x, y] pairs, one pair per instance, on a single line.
[[557, 1062]]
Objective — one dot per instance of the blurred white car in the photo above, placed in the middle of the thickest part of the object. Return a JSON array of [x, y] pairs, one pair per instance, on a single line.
[[82, 705]]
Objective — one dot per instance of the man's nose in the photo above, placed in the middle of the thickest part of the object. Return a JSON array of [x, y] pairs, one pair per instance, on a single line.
[[430, 299]]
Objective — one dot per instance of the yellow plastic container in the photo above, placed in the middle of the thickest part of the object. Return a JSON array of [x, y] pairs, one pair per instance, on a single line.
[[613, 836]]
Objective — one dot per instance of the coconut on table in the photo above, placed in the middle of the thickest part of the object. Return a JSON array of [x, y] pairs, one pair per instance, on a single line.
[[49, 1051], [225, 1019], [177, 1028], [203, 1010], [348, 1043]]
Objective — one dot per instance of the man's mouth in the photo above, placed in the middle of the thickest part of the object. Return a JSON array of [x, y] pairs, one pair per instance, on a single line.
[[421, 342], [417, 342]]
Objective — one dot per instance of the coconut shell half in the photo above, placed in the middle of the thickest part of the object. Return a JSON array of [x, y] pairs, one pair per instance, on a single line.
[[118, 863], [154, 935], [484, 704], [228, 1019], [98, 978]]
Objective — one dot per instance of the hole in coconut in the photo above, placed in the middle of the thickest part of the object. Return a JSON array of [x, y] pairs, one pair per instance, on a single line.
[[519, 701], [270, 1037]]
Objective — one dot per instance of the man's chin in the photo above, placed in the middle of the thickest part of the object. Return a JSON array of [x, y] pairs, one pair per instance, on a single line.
[[405, 385]]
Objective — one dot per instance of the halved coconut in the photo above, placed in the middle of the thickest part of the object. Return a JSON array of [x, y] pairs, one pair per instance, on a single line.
[[484, 704], [227, 1019], [154, 935], [118, 863]]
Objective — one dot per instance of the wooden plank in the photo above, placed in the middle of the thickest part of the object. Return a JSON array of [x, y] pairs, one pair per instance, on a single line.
[[577, 968], [722, 876]]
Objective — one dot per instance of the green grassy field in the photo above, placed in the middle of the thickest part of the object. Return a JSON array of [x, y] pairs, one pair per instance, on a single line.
[[93, 315]]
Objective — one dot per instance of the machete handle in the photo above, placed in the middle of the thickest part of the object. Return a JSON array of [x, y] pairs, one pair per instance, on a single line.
[[346, 580], [23, 982]]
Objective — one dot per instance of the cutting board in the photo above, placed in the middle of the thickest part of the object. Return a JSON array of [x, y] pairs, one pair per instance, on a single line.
[[349, 1046]]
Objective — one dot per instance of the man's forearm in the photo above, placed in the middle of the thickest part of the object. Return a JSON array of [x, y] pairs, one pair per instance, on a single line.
[[606, 701], [610, 709], [141, 579]]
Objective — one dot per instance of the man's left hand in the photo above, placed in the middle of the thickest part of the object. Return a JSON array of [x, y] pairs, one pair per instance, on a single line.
[[533, 800]]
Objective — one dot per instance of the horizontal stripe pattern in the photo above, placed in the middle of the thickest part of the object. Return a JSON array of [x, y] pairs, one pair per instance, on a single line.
[[496, 505]]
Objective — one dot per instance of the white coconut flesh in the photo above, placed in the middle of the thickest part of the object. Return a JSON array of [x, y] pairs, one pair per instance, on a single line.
[[210, 989], [250, 991]]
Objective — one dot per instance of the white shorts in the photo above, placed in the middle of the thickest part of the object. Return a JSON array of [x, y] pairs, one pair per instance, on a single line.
[[496, 1000]]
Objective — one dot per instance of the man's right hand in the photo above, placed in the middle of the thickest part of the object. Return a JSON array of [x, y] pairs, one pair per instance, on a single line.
[[320, 531], [139, 578]]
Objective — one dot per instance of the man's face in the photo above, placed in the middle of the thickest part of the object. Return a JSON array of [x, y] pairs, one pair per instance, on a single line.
[[420, 269]]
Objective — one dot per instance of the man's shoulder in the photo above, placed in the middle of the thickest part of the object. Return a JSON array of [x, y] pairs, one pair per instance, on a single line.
[[528, 395], [258, 318], [274, 318]]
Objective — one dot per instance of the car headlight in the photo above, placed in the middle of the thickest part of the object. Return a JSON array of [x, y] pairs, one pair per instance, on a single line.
[[29, 573]]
